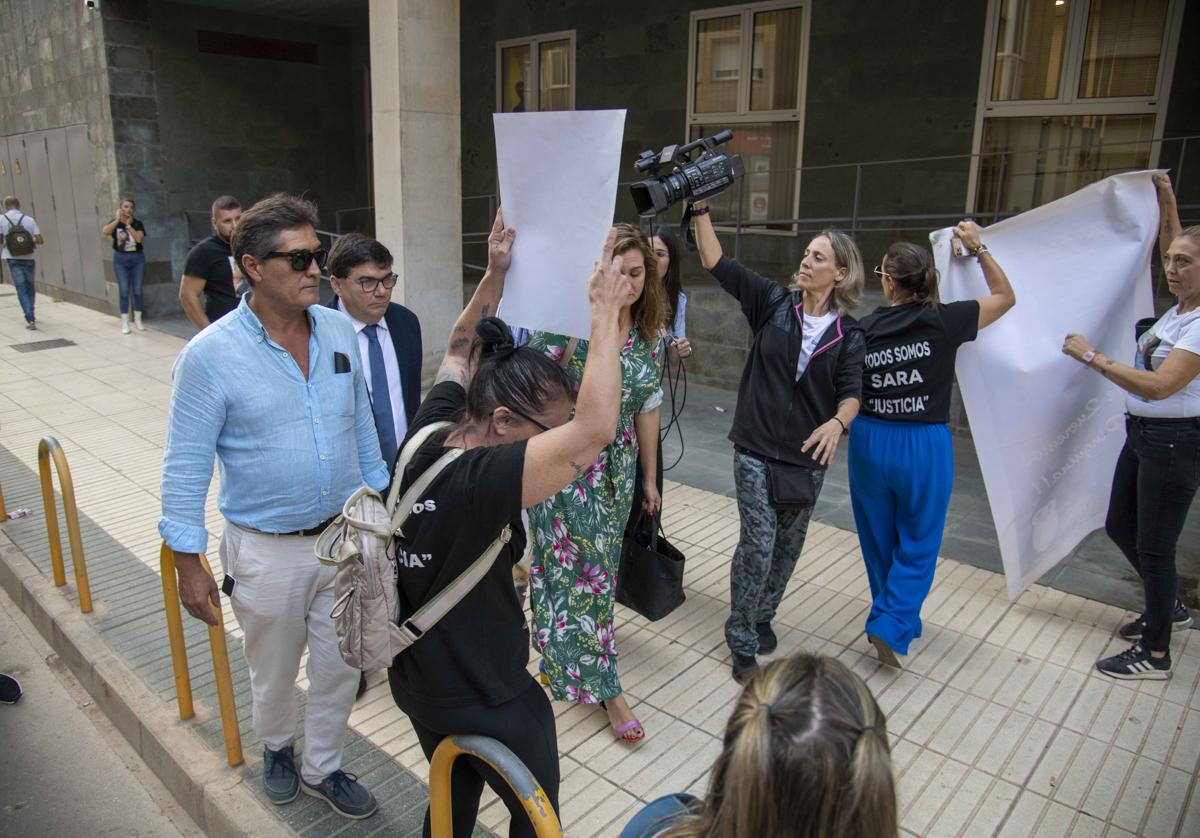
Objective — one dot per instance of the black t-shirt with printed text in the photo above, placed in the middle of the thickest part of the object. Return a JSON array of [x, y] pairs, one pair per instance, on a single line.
[[477, 653], [909, 367], [125, 242], [212, 261]]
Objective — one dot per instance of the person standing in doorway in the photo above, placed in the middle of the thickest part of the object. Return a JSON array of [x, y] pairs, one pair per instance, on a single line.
[[129, 263], [21, 238], [276, 392], [209, 269]]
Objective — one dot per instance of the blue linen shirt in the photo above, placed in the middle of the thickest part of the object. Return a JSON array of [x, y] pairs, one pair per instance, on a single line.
[[289, 450]]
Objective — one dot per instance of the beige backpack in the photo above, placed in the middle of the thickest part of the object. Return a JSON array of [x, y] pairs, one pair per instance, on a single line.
[[366, 610]]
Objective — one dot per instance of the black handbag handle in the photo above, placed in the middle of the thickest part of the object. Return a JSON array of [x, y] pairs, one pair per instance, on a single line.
[[655, 526]]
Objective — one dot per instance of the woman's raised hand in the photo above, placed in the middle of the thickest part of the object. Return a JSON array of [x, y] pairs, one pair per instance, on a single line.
[[1162, 180], [968, 233], [500, 242], [608, 286]]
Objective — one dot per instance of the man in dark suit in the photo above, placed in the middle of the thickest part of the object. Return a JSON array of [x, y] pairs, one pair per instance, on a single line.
[[389, 339], [389, 335]]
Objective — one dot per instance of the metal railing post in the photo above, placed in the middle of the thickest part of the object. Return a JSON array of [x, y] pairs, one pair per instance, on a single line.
[[179, 662], [505, 763], [1177, 182], [220, 658], [737, 224], [999, 186], [3, 509], [49, 448]]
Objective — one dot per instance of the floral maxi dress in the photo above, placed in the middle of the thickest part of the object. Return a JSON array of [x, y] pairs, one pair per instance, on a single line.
[[577, 536]]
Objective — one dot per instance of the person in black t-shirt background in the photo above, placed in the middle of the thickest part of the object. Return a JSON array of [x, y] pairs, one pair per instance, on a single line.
[[129, 262], [209, 269], [901, 460], [467, 674]]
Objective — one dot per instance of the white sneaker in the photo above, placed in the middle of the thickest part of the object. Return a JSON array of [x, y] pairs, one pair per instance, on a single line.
[[137, 321], [124, 324]]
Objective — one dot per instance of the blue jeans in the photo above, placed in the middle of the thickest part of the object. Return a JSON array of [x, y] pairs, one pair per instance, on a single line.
[[1156, 478], [129, 268], [22, 271], [901, 475]]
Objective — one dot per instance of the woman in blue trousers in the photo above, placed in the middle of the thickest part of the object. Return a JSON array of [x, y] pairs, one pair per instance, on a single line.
[[901, 460], [129, 262]]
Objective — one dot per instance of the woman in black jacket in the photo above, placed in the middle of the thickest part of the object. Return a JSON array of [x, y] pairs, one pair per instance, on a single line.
[[799, 392]]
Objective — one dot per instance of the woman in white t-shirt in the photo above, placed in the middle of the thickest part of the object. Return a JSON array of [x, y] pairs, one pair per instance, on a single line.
[[1159, 468]]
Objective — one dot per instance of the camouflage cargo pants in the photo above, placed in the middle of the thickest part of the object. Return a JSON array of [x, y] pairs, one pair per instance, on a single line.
[[768, 546]]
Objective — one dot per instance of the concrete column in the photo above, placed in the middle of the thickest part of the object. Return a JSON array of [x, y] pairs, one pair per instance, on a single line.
[[416, 115]]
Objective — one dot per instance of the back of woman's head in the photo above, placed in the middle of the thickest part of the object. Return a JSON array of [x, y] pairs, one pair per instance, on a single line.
[[806, 754], [647, 310], [911, 267], [507, 375]]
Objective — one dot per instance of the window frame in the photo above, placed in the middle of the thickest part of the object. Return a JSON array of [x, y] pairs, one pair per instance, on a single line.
[[743, 115], [1069, 103], [534, 43]]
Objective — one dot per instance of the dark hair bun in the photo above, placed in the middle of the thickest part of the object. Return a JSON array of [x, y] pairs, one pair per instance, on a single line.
[[495, 339]]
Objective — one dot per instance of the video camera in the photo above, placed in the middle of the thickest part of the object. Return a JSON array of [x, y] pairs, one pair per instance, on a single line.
[[709, 174]]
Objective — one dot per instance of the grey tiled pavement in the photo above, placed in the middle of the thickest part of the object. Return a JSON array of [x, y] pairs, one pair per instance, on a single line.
[[999, 724]]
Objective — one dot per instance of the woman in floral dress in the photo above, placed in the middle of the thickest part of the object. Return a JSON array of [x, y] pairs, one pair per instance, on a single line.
[[577, 533]]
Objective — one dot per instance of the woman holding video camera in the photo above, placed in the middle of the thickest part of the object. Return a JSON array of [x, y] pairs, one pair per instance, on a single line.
[[578, 532], [798, 395], [508, 407], [1158, 470]]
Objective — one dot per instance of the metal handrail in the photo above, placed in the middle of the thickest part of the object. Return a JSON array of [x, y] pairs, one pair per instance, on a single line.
[[3, 509], [505, 763], [48, 448], [179, 658]]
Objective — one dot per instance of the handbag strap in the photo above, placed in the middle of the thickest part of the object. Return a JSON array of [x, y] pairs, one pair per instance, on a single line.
[[404, 507], [568, 353], [454, 593]]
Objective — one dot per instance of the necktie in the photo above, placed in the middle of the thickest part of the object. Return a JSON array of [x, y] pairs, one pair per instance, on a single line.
[[381, 400]]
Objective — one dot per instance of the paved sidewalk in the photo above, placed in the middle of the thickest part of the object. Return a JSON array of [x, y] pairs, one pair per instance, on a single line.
[[999, 725]]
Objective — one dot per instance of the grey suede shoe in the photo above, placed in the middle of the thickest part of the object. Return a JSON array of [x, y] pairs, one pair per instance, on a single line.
[[344, 794], [280, 779]]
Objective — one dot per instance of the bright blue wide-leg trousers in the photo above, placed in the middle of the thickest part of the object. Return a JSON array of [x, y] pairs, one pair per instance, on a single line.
[[901, 476]]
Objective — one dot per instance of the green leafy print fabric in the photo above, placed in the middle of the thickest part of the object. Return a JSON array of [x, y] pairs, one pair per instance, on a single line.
[[577, 536]]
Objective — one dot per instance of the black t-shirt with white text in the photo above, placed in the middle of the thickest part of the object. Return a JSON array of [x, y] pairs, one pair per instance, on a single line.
[[909, 367], [477, 653], [212, 261]]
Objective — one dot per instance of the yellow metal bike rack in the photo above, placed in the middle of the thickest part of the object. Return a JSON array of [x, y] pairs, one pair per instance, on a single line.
[[505, 763], [179, 659], [49, 449], [3, 510]]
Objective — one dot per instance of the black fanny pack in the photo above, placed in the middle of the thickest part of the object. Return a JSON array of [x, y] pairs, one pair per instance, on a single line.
[[789, 485]]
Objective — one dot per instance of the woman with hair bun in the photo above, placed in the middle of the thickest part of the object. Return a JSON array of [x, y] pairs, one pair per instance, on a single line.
[[901, 459], [509, 406], [806, 756], [577, 548]]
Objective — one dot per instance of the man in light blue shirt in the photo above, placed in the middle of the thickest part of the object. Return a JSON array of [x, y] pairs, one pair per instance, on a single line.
[[275, 390]]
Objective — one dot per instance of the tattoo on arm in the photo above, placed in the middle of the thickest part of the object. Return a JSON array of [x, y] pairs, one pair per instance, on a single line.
[[579, 470], [484, 312], [459, 343]]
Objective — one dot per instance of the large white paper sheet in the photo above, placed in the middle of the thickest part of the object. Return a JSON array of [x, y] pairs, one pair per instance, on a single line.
[[1048, 430], [558, 189]]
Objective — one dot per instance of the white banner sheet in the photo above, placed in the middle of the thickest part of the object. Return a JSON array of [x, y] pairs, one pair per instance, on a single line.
[[1047, 429], [558, 190]]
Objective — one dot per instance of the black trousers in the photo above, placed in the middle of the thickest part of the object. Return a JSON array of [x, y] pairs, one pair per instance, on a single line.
[[525, 724], [1155, 480]]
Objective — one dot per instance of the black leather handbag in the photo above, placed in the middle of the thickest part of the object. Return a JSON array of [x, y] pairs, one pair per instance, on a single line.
[[790, 485], [650, 578]]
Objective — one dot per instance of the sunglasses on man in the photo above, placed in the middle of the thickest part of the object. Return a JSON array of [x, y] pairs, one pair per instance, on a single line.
[[301, 259]]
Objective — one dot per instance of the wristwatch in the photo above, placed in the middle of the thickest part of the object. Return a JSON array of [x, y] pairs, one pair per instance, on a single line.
[[1087, 357], [980, 248]]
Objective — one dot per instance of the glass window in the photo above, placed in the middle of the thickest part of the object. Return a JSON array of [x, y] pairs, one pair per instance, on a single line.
[[769, 151], [536, 74], [775, 70], [555, 64], [514, 70], [1030, 41], [1029, 161], [718, 62], [1121, 51], [763, 111]]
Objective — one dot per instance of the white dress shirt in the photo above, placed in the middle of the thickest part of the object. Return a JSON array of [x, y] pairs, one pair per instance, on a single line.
[[390, 364]]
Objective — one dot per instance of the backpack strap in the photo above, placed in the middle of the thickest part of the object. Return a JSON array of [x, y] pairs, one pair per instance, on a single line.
[[406, 454], [444, 600], [403, 509]]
